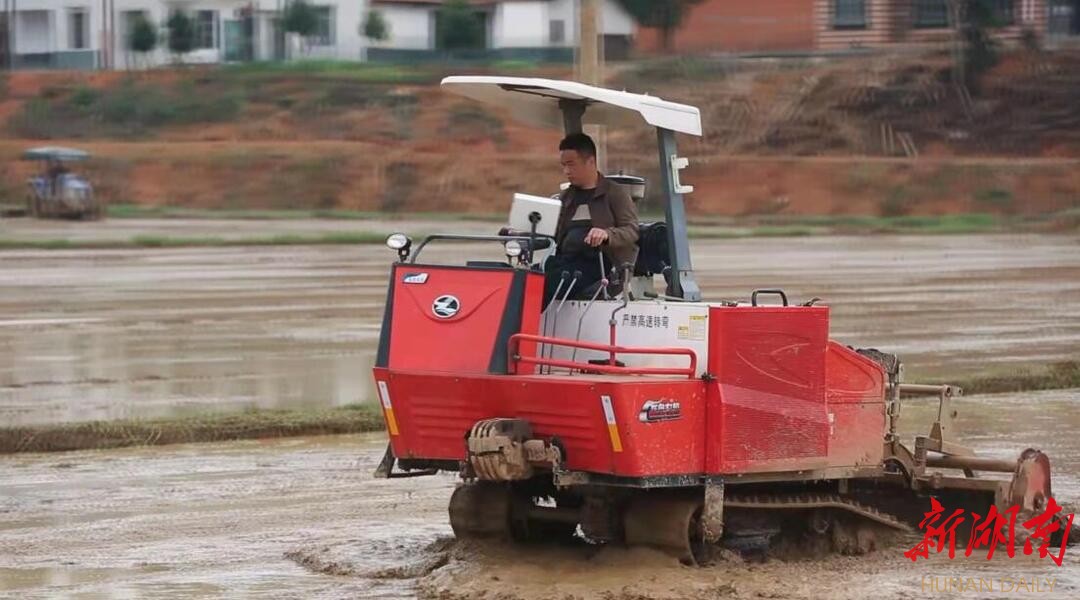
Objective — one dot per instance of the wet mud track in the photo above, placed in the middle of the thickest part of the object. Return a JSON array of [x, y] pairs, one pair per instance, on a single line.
[[303, 518]]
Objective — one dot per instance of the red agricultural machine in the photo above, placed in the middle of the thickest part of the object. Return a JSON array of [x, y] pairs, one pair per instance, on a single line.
[[624, 414]]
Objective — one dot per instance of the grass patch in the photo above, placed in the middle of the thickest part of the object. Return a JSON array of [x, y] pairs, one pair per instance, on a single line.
[[156, 241], [130, 109], [1056, 376], [995, 198], [664, 71], [966, 223], [204, 428], [725, 233], [702, 228], [863, 224], [356, 71], [138, 211]]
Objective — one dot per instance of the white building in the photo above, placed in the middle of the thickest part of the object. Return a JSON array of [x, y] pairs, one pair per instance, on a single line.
[[513, 28], [72, 33]]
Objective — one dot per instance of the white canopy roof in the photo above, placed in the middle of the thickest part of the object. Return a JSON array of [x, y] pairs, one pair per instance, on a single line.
[[536, 101]]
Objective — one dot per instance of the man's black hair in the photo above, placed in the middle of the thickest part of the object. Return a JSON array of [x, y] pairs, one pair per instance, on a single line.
[[580, 142]]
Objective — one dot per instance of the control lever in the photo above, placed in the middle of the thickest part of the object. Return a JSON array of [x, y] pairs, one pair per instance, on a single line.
[[555, 325], [603, 281], [577, 337], [562, 281], [573, 282], [627, 270]]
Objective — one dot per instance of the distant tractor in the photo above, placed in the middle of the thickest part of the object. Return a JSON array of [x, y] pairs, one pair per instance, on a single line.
[[57, 192]]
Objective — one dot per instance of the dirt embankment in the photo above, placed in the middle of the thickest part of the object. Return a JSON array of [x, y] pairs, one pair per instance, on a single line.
[[863, 136]]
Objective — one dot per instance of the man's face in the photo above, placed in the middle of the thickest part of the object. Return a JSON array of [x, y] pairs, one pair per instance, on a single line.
[[577, 169]]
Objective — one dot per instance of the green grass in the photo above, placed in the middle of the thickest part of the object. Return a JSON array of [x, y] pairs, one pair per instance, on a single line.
[[357, 71], [156, 241], [1060, 375], [725, 233], [136, 211], [701, 228], [132, 108], [252, 424], [779, 225]]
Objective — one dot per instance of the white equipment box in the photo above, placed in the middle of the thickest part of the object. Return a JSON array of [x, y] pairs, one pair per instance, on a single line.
[[525, 204], [642, 323]]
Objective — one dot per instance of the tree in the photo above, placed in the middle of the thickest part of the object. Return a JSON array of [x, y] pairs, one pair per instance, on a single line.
[[300, 18], [143, 38], [181, 33], [458, 27], [665, 15], [375, 27], [976, 51]]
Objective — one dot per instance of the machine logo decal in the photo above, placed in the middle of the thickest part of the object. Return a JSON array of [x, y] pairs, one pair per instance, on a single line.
[[415, 278], [445, 306], [654, 411]]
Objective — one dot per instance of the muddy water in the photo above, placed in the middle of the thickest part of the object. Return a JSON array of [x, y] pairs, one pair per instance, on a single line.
[[141, 333], [302, 518]]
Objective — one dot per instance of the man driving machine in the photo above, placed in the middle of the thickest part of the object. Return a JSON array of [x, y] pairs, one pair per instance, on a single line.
[[598, 218]]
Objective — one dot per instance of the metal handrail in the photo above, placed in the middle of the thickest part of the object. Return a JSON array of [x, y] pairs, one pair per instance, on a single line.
[[472, 238], [515, 358]]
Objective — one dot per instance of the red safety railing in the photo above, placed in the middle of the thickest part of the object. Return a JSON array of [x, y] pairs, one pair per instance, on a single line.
[[612, 351]]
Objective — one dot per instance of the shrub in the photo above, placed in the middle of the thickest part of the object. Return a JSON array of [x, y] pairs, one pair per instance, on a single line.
[[144, 37], [181, 33], [996, 197], [896, 203], [375, 27]]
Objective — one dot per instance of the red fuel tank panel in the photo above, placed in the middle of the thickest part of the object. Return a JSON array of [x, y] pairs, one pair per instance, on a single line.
[[457, 319], [767, 409]]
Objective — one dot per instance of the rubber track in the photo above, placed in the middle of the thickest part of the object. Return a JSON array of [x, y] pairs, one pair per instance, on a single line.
[[800, 501]]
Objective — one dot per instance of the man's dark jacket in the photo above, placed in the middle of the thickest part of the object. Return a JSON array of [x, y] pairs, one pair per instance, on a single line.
[[611, 209]]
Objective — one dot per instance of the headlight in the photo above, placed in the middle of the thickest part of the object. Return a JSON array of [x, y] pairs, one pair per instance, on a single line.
[[513, 248], [398, 241]]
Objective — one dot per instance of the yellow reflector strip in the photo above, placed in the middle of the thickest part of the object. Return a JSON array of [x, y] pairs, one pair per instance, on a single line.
[[612, 427], [388, 409]]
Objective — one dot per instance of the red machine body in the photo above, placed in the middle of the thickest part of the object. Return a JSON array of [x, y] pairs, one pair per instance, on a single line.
[[777, 395]]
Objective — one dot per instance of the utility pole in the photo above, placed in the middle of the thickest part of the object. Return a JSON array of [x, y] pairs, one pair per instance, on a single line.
[[588, 42], [590, 65]]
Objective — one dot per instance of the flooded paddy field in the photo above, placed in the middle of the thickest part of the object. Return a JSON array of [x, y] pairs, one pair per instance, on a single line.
[[104, 334], [302, 518], [101, 334]]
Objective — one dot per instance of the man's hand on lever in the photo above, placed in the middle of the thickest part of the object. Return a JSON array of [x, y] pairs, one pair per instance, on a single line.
[[596, 236]]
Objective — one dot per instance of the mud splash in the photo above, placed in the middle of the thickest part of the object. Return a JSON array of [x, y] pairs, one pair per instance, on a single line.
[[639, 574], [340, 559]]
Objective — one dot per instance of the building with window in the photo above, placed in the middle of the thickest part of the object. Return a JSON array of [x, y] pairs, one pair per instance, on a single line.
[[802, 25], [882, 23], [86, 34], [72, 34]]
